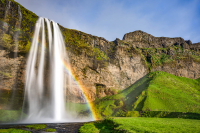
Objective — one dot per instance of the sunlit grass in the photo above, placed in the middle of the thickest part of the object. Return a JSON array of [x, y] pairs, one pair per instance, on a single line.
[[143, 125], [172, 125]]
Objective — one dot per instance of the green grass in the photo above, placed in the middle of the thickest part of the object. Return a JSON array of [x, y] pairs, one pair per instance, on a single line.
[[157, 91], [167, 92], [105, 126], [115, 105], [9, 115], [80, 109], [143, 125], [157, 125], [166, 114], [88, 128], [50, 130], [36, 126], [77, 106], [13, 131]]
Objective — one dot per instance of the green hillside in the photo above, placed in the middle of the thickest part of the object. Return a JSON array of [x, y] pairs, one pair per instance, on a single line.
[[157, 91]]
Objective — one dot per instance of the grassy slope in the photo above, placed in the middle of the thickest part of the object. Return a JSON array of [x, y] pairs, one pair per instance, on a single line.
[[171, 93], [157, 91], [143, 125]]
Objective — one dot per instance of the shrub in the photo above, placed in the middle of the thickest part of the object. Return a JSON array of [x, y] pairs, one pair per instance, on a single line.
[[132, 114], [118, 102], [88, 128]]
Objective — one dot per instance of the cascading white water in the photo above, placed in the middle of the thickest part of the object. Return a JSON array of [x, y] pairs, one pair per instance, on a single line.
[[58, 76], [41, 107]]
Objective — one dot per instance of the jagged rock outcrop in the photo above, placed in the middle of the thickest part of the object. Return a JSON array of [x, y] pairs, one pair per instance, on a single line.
[[142, 39], [195, 46]]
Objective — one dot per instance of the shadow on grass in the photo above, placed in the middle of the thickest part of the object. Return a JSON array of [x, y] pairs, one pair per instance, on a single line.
[[108, 126], [105, 126], [165, 114], [134, 91]]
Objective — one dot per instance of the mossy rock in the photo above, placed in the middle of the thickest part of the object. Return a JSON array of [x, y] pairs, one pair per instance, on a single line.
[[36, 126]]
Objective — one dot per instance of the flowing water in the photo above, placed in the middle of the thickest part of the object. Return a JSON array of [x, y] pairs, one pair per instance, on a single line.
[[17, 31], [46, 79]]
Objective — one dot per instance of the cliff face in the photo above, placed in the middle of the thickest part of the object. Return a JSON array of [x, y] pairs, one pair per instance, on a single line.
[[99, 82], [184, 68], [100, 67]]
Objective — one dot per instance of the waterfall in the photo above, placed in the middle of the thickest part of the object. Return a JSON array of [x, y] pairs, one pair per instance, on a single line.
[[40, 106], [17, 28], [16, 40], [6, 13]]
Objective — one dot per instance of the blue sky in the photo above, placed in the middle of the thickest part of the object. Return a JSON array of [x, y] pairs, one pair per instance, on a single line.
[[111, 19]]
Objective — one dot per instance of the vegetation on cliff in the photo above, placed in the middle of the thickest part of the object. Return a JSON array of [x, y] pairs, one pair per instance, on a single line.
[[163, 56], [11, 25], [81, 43]]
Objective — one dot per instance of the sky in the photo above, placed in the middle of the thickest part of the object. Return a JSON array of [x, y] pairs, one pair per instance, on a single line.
[[112, 19]]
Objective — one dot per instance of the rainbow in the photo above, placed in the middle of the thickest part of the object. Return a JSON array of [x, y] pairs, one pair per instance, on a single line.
[[90, 105]]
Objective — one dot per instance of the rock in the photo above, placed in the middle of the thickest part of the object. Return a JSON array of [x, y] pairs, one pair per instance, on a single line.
[[188, 42], [142, 39], [183, 68], [195, 46], [171, 52]]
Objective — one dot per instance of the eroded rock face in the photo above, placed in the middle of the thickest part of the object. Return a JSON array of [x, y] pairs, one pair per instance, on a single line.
[[11, 80], [195, 46], [106, 81], [142, 39], [10, 70], [183, 68]]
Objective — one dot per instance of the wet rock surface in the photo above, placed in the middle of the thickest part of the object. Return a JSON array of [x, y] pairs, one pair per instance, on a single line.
[[60, 127]]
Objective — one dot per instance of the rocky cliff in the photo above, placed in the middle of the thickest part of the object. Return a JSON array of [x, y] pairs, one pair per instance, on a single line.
[[101, 67]]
